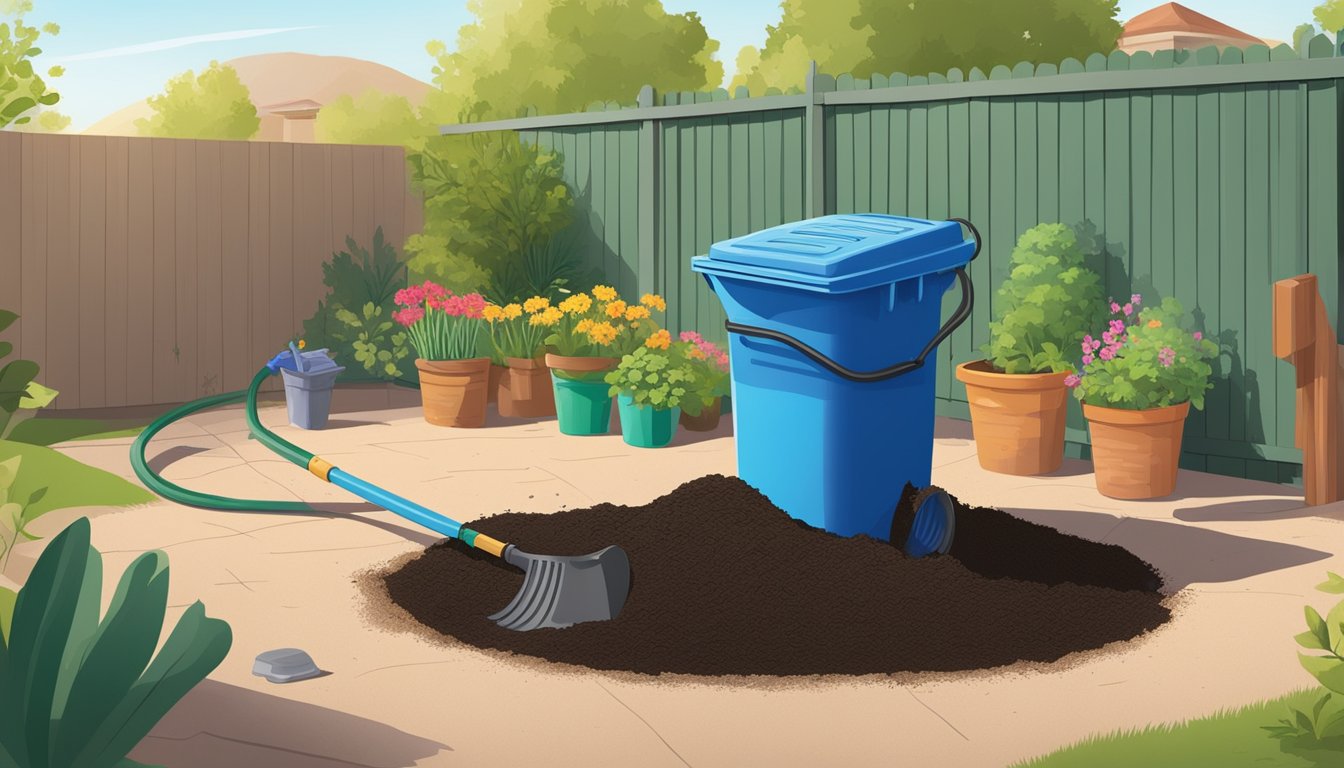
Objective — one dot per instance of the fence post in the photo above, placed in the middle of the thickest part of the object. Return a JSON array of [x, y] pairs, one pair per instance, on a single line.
[[815, 139], [649, 221]]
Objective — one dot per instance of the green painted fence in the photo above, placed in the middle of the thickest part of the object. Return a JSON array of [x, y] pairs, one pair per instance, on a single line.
[[1203, 175]]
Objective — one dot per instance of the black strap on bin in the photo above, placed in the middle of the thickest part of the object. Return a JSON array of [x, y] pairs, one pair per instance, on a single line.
[[958, 317]]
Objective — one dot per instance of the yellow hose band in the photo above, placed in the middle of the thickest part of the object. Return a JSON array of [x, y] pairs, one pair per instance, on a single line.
[[493, 546], [320, 467]]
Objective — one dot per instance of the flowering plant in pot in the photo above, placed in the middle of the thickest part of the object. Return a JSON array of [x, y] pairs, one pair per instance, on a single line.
[[445, 330], [651, 384], [701, 408], [1017, 395], [1137, 385], [517, 333]]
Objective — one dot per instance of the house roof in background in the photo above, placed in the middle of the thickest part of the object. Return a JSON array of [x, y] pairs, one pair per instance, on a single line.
[[1174, 17]]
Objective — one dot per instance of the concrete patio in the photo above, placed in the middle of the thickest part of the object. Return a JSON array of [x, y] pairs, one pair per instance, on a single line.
[[1242, 556]]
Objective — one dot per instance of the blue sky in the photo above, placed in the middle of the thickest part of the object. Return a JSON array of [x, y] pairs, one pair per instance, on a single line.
[[118, 51]]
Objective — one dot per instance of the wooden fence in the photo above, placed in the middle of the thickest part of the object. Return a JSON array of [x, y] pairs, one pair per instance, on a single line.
[[153, 271], [1205, 175]]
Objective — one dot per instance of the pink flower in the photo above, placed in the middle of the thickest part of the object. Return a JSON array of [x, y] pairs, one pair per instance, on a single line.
[[1108, 353], [1096, 344], [1117, 327], [1166, 357], [1198, 335], [1088, 358], [435, 292], [413, 296], [1129, 309], [1072, 380], [1108, 337], [691, 336], [409, 316], [1115, 308], [1136, 299]]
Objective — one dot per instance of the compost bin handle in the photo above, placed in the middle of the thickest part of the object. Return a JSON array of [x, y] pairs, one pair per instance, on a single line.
[[958, 317]]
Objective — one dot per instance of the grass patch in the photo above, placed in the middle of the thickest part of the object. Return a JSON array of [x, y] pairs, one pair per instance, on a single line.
[[49, 431], [1229, 739], [68, 482]]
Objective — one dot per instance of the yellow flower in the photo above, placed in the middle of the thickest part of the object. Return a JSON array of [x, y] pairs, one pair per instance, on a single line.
[[659, 340], [604, 292], [302, 344], [695, 354], [653, 301], [583, 326], [1154, 323], [616, 309], [536, 304], [550, 316], [576, 304], [602, 333], [492, 312], [513, 311], [636, 313]]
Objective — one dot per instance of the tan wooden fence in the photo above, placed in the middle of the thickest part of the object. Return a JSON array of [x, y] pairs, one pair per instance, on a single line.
[[154, 271]]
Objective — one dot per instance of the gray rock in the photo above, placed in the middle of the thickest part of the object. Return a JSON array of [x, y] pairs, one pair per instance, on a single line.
[[285, 665]]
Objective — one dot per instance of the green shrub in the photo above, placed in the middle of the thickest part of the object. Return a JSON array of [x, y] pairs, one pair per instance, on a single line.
[[359, 337], [20, 396], [1324, 725], [75, 691], [15, 513], [662, 379], [1045, 306], [493, 208]]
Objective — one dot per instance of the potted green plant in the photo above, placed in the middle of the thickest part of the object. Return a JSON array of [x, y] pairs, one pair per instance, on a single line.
[[700, 410], [589, 336], [650, 385], [1137, 385], [445, 330], [1017, 395], [517, 335]]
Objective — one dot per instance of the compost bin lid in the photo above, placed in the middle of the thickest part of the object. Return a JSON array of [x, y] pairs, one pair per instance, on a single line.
[[318, 361], [841, 253]]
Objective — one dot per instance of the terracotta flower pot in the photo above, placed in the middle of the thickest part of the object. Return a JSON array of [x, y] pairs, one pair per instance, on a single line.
[[1135, 453], [1018, 418], [708, 419], [526, 390], [453, 392], [497, 375]]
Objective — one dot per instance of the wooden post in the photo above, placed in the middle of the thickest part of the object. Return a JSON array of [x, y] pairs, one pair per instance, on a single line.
[[1304, 336], [647, 275], [815, 138]]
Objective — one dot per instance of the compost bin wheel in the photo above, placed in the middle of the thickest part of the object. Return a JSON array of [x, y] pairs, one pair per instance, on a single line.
[[929, 526]]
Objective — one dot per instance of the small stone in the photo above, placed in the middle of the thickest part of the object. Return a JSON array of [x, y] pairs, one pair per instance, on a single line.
[[285, 665]]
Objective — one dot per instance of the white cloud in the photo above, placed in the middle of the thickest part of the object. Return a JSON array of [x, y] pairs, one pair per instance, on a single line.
[[173, 42]]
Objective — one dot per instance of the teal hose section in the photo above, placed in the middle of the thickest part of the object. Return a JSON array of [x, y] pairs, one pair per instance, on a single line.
[[394, 503], [177, 493]]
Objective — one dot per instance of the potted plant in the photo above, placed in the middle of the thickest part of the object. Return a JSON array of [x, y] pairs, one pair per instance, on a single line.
[[700, 410], [498, 371], [589, 336], [1017, 395], [445, 331], [516, 334], [1137, 385], [650, 385]]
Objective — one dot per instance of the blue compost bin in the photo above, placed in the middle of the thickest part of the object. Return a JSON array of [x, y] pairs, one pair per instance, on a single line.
[[831, 321]]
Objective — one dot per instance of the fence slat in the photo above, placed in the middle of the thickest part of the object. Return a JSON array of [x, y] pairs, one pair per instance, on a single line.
[[186, 344], [141, 277], [209, 374], [11, 244], [238, 366], [1261, 383], [89, 171], [116, 325], [1232, 287]]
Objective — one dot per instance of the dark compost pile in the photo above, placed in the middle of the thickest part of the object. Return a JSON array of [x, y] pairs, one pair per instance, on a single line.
[[726, 583]]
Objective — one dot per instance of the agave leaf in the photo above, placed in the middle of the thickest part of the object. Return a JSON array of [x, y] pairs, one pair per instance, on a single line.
[[117, 655], [55, 614], [196, 646]]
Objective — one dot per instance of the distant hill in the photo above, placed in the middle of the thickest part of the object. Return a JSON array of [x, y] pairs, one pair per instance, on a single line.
[[278, 78]]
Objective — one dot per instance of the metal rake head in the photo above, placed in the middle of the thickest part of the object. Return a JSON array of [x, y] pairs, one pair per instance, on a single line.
[[561, 591]]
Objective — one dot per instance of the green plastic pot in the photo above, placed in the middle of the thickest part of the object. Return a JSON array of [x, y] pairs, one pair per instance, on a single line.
[[582, 407], [644, 426]]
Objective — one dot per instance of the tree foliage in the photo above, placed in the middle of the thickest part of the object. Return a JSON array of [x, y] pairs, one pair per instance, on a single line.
[[561, 55], [45, 121], [22, 89], [215, 105], [1330, 15], [372, 117], [925, 36]]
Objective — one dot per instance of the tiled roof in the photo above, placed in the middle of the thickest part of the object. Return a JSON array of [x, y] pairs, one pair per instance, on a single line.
[[1174, 17]]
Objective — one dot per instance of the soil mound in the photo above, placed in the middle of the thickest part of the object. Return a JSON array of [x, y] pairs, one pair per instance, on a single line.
[[725, 583]]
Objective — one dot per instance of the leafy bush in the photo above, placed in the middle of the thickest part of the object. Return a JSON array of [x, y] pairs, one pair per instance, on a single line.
[[344, 323], [18, 391], [21, 89], [711, 373], [77, 691], [493, 205], [1325, 722], [15, 514], [656, 375], [1046, 304], [1153, 363]]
